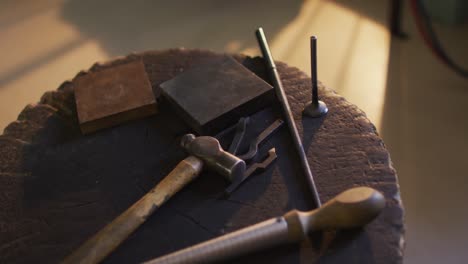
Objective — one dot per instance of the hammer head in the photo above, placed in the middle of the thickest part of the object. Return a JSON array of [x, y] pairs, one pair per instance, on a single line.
[[209, 150]]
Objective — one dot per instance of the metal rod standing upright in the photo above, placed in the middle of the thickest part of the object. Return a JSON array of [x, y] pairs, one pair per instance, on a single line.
[[313, 69], [315, 108], [275, 78]]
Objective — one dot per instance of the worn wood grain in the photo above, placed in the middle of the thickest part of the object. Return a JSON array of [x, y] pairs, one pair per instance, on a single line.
[[57, 187]]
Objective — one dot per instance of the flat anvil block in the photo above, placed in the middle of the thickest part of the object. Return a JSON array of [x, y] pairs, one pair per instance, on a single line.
[[113, 96], [214, 95]]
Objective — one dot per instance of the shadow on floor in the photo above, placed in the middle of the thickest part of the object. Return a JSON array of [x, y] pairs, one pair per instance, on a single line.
[[371, 9], [123, 26]]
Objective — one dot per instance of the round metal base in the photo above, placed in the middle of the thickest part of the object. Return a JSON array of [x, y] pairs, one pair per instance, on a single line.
[[315, 110]]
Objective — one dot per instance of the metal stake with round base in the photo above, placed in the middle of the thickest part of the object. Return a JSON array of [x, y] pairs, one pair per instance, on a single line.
[[314, 108]]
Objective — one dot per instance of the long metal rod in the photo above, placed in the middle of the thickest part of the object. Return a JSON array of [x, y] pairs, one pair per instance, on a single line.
[[275, 78]]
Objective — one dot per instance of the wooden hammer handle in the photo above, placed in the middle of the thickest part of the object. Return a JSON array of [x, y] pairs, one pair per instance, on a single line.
[[109, 238]]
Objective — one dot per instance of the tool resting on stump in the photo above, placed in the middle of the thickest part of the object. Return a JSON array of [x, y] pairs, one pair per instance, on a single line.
[[350, 209], [204, 152]]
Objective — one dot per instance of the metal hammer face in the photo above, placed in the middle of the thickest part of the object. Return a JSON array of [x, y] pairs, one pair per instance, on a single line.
[[209, 150]]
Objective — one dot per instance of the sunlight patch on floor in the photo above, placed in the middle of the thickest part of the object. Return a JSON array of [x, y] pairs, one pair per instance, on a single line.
[[24, 90], [353, 52], [39, 60]]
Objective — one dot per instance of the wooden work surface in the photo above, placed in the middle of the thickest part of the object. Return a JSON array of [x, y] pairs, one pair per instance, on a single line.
[[58, 187]]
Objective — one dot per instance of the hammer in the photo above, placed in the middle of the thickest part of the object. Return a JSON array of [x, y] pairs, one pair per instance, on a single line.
[[204, 151]]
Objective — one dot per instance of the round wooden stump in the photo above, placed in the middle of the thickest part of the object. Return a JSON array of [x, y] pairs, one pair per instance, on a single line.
[[58, 187]]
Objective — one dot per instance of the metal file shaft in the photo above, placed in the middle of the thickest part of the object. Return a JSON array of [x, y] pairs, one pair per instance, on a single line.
[[275, 78]]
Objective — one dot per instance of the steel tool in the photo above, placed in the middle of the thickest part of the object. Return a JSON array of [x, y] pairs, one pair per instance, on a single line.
[[351, 209], [252, 152], [314, 108], [240, 133], [281, 95], [253, 148], [250, 170]]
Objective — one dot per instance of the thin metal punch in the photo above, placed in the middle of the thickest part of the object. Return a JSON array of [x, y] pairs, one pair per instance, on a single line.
[[281, 95]]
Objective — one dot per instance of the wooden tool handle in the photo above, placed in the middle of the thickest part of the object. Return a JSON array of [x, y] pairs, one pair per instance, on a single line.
[[263, 235], [352, 208], [106, 240]]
